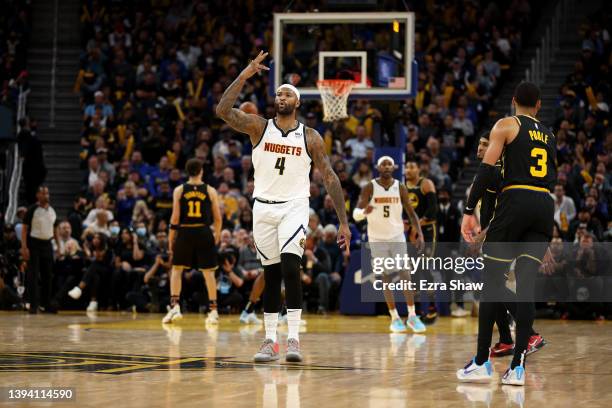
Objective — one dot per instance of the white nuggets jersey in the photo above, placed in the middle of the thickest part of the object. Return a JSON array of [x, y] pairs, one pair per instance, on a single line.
[[385, 221], [282, 164]]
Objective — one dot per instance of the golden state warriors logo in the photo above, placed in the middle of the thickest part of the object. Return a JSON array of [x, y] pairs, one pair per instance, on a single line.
[[414, 199], [107, 363], [302, 242]]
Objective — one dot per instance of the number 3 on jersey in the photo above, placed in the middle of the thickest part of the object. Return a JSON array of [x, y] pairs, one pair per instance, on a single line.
[[540, 169], [280, 165]]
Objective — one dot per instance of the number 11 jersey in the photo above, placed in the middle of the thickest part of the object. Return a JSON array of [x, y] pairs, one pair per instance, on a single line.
[[282, 164], [196, 207]]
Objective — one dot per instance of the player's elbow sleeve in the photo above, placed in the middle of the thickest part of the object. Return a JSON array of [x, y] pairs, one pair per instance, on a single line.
[[484, 178], [358, 214], [432, 205]]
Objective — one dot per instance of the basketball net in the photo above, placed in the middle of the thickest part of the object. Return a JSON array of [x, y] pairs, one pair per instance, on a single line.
[[335, 93]]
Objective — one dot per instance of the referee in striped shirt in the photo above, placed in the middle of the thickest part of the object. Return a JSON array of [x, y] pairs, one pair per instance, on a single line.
[[37, 250]]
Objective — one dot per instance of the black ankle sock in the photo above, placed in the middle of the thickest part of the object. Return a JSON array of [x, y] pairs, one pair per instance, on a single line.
[[174, 300], [249, 307], [212, 305]]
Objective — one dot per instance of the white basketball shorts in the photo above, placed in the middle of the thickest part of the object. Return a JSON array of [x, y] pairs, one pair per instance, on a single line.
[[389, 249], [280, 228]]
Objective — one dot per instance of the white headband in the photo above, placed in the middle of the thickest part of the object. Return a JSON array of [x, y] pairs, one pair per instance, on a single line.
[[291, 88], [383, 158]]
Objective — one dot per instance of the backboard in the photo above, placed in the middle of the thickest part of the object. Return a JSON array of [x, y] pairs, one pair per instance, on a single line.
[[376, 50]]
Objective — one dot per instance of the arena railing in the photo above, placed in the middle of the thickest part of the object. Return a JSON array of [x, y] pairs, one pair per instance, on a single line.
[[16, 159], [549, 44]]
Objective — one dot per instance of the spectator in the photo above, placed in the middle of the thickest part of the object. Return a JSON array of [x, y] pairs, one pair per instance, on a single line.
[[565, 210], [130, 265], [76, 216], [100, 261], [327, 214], [360, 143], [449, 218], [249, 263], [126, 201], [463, 123], [105, 166], [64, 243], [99, 226], [93, 170], [363, 175], [157, 281], [337, 261], [229, 281], [105, 109], [101, 206], [316, 278]]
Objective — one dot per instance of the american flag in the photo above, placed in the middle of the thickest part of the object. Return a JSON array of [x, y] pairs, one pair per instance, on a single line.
[[397, 82]]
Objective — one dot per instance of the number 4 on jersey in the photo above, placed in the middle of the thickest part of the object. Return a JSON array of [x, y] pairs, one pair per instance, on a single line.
[[280, 165]]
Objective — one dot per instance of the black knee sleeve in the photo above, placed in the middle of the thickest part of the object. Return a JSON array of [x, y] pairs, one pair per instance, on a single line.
[[503, 325], [271, 293], [526, 271], [494, 292], [291, 264]]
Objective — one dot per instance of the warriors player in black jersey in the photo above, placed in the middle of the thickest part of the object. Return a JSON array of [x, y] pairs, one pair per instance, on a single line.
[[505, 345], [422, 196], [523, 214], [195, 229]]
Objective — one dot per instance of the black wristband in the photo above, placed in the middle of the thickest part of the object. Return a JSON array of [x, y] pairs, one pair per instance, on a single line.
[[468, 211], [174, 226], [484, 179]]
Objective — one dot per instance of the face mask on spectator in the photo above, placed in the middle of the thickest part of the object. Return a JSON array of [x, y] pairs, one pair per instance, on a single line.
[[141, 231], [114, 230]]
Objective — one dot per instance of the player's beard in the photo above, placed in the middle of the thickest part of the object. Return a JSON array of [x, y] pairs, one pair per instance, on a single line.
[[409, 177], [287, 110], [386, 174]]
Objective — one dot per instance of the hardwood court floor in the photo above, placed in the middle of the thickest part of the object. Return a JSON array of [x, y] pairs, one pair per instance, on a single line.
[[124, 360]]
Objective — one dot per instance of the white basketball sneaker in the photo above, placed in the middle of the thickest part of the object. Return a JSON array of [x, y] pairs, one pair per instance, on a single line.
[[514, 376], [75, 292], [174, 313], [473, 372], [249, 318], [93, 306], [213, 317]]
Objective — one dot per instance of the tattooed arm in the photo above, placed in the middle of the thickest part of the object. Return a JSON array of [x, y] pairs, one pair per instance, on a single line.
[[253, 125], [316, 149]]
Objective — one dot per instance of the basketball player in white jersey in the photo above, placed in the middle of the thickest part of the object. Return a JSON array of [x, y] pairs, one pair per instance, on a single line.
[[381, 203], [283, 151]]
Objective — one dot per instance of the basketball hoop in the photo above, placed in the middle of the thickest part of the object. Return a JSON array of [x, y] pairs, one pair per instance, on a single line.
[[334, 93]]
